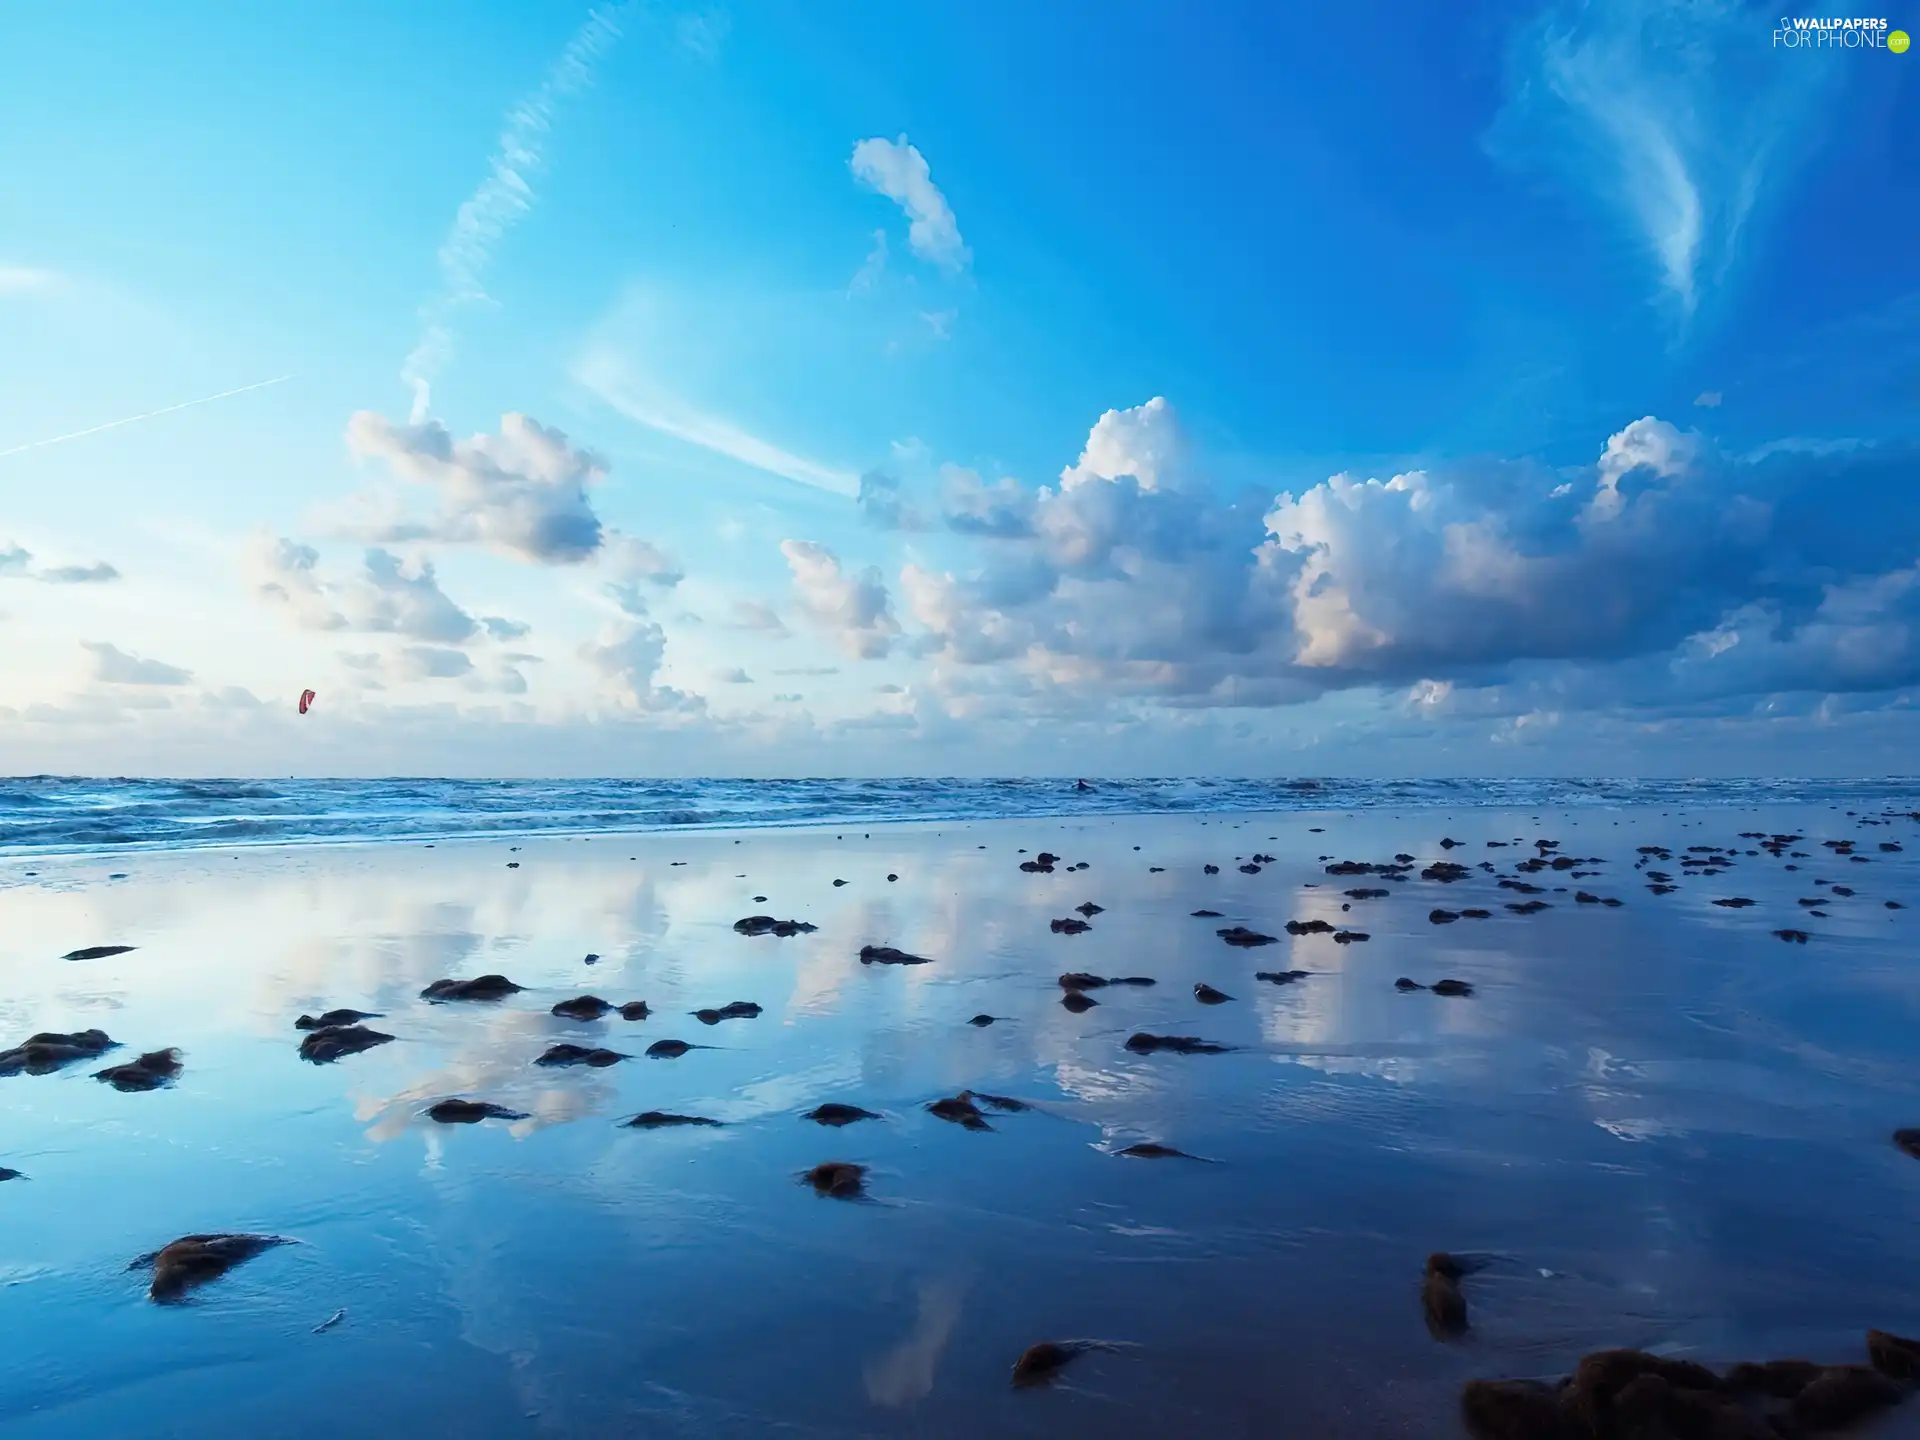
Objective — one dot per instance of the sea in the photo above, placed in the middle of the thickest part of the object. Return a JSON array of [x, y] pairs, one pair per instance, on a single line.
[[56, 814]]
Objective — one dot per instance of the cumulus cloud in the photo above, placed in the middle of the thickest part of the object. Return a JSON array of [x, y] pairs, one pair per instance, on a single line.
[[900, 172], [385, 596], [114, 666], [522, 492], [1664, 572], [970, 506], [756, 616], [17, 564], [1708, 399], [432, 662], [733, 675], [631, 565], [627, 659], [503, 629], [1143, 442], [883, 503], [853, 609]]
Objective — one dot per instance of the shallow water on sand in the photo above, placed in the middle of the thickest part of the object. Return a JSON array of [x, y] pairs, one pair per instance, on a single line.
[[1661, 1125]]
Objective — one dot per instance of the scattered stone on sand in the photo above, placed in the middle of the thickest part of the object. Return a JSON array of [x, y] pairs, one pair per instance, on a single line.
[[1908, 1139], [8, 1173], [598, 1058], [470, 1112], [1528, 907], [1793, 937], [1207, 995], [1211, 869], [591, 960], [1244, 938], [836, 1114], [1368, 893], [1452, 987], [1143, 1043], [334, 1042], [513, 864], [734, 1010], [1041, 864], [97, 952], [583, 1007], [334, 1017], [1078, 1001], [1443, 917], [1894, 1355], [1522, 887], [767, 925], [482, 987], [887, 955], [1069, 926], [1206, 914], [1476, 914], [1038, 1364], [1895, 905], [1737, 902], [48, 1050], [1304, 927], [840, 1179], [1080, 980], [1404, 984], [662, 1120], [668, 1049], [1440, 1297], [193, 1260], [1280, 977], [838, 883], [1150, 1150], [1445, 871], [961, 1111], [1090, 909], [635, 1010], [151, 1071], [1249, 869], [981, 1020], [1006, 1103], [1349, 937]]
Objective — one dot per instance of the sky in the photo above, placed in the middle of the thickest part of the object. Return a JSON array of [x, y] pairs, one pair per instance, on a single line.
[[786, 389]]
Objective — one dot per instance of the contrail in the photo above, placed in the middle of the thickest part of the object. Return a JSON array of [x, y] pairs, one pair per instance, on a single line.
[[147, 415], [502, 199]]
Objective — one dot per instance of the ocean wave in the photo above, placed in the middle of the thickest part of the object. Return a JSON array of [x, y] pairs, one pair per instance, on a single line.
[[43, 814]]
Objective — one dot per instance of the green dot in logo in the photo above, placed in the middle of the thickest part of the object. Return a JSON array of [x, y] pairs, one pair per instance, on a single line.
[[1897, 42]]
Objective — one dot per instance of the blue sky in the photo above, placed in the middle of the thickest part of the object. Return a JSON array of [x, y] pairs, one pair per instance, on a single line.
[[955, 389]]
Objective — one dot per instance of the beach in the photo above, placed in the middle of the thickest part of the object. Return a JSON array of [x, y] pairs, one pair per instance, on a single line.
[[1657, 1123]]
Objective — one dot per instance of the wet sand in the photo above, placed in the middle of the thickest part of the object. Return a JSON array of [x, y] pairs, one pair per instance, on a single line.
[[1658, 1124]]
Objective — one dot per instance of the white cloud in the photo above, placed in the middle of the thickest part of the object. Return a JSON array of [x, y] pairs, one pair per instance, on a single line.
[[432, 662], [732, 675], [899, 171], [872, 268], [602, 372], [523, 492], [385, 596], [16, 563], [1143, 442], [502, 629], [627, 658], [1708, 399], [114, 666], [1662, 571], [1675, 115], [753, 615], [504, 197], [854, 609]]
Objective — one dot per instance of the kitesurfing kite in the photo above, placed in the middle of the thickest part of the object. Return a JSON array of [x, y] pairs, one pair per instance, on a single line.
[[306, 699]]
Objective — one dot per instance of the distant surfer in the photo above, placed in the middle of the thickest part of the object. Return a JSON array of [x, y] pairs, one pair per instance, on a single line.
[[306, 699], [1081, 785]]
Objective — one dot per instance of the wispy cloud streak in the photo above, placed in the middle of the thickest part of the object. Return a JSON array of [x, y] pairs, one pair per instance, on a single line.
[[144, 415], [504, 197]]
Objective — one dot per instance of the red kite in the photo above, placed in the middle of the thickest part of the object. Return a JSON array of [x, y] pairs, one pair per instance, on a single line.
[[306, 699]]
